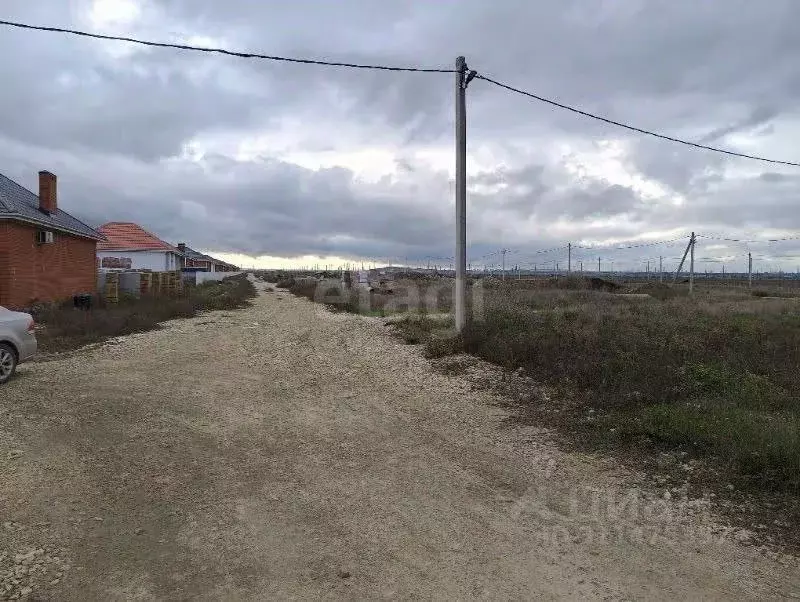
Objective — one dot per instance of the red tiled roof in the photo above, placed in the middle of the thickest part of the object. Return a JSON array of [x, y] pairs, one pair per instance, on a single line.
[[130, 237]]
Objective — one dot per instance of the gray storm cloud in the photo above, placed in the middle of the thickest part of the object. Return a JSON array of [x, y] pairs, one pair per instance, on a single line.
[[117, 127]]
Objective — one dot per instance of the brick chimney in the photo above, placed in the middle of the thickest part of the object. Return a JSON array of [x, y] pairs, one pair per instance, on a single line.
[[182, 247], [47, 192]]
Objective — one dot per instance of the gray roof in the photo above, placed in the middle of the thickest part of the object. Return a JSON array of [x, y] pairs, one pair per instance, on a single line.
[[192, 254], [197, 256], [20, 203]]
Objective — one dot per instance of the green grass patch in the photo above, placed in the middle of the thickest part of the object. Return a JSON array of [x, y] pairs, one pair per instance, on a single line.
[[758, 447], [716, 374]]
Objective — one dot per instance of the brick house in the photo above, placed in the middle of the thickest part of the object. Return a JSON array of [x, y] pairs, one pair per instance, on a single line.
[[128, 246], [45, 253]]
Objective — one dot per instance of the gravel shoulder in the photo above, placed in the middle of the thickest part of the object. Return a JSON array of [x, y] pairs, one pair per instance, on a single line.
[[282, 451]]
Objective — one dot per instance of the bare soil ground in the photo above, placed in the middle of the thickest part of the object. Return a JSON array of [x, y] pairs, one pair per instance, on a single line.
[[282, 451]]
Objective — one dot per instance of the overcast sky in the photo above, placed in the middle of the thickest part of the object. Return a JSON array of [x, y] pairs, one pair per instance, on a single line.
[[255, 159]]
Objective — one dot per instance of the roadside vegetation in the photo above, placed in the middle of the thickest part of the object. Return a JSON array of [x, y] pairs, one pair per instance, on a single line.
[[712, 375], [62, 327], [419, 297], [645, 367]]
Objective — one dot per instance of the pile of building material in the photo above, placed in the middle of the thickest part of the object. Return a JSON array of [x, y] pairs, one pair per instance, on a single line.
[[111, 285]]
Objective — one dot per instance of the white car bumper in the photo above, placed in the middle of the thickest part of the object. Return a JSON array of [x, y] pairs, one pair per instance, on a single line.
[[27, 347]]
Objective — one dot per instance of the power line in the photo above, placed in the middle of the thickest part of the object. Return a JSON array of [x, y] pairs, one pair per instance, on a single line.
[[711, 237], [472, 74], [540, 252], [547, 250], [634, 246], [244, 55], [585, 248], [252, 55], [631, 127], [773, 257]]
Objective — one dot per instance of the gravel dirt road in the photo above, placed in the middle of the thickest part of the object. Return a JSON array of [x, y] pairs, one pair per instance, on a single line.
[[285, 452]]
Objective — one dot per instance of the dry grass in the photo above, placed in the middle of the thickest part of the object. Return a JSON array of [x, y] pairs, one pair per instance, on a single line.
[[64, 328], [406, 295], [714, 375]]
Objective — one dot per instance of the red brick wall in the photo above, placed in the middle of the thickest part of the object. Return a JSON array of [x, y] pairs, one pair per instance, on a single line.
[[48, 272]]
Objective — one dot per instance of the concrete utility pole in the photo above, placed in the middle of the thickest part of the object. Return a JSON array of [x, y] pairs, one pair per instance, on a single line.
[[504, 251], [461, 195], [569, 257], [648, 269], [749, 269], [660, 270], [691, 266], [683, 259], [598, 265]]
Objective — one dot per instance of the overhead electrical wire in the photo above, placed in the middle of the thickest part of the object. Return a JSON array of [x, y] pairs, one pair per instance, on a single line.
[[633, 246], [547, 250], [305, 61], [631, 127], [243, 55], [766, 240], [773, 257]]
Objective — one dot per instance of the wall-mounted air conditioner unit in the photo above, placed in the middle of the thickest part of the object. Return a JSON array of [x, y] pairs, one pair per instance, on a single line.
[[44, 237]]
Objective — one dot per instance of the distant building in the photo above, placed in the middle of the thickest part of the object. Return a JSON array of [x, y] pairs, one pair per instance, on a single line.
[[128, 246], [194, 260]]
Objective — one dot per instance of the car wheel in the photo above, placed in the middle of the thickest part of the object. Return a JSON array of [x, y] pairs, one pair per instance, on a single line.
[[8, 362]]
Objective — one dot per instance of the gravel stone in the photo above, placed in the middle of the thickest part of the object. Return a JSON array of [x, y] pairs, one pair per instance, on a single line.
[[263, 446]]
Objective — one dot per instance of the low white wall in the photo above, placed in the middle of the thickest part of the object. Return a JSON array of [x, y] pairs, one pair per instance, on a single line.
[[201, 277]]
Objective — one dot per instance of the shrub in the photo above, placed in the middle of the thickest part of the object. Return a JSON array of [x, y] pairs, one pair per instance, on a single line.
[[66, 328], [718, 377], [287, 283], [414, 330], [443, 344]]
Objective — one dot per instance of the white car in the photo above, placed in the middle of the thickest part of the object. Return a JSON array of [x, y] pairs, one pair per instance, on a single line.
[[17, 341]]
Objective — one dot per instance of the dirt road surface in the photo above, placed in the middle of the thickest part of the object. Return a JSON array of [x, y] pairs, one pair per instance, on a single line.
[[283, 452]]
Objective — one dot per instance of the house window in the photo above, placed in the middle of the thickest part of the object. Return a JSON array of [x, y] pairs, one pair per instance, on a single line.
[[44, 237]]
